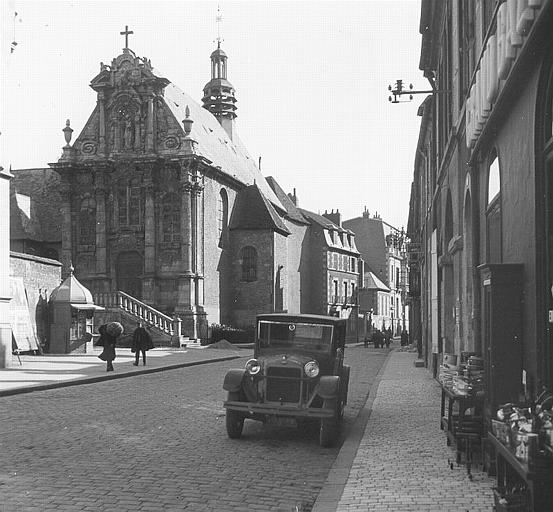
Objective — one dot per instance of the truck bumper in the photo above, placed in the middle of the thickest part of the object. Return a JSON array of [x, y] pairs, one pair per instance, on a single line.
[[256, 409]]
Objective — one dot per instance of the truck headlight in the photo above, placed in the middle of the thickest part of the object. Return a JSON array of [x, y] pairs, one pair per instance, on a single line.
[[253, 367], [311, 369]]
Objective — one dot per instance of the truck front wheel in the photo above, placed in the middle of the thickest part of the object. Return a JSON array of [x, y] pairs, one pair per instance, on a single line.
[[234, 419], [330, 427]]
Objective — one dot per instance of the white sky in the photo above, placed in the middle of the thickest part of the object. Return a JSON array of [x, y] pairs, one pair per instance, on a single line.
[[311, 82]]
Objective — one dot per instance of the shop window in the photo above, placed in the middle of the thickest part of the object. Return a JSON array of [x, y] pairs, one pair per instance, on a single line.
[[171, 218], [87, 222], [248, 255], [493, 214]]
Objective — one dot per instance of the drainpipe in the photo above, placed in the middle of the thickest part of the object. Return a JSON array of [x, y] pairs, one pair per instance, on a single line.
[[477, 298]]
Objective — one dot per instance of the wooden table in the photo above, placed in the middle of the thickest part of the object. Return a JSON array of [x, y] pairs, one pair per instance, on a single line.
[[464, 431], [511, 471]]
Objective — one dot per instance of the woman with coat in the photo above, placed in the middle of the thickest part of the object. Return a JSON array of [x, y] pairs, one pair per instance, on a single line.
[[141, 342], [108, 338]]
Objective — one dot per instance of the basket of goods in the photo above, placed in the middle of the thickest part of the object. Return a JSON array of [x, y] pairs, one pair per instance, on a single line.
[[502, 431], [114, 329]]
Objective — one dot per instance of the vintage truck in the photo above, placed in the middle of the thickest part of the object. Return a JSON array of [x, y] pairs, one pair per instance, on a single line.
[[297, 375]]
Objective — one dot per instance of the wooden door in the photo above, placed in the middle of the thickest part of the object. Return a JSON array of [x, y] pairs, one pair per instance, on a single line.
[[129, 269]]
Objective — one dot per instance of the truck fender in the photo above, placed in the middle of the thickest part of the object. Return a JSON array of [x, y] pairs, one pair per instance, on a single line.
[[233, 380], [345, 383], [329, 386]]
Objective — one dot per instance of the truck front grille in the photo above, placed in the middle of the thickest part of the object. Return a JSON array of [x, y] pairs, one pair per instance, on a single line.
[[283, 384]]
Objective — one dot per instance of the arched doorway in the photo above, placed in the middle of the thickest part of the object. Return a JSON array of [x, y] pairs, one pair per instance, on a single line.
[[467, 338], [129, 269], [448, 314]]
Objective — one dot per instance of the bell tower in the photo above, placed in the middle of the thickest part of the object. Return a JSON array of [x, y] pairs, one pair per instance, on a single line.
[[218, 92]]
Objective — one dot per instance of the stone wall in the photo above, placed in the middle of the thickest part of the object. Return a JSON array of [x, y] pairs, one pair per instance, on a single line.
[[251, 298], [40, 277]]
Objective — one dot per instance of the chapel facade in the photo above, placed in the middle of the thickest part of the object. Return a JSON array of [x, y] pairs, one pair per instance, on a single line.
[[147, 193]]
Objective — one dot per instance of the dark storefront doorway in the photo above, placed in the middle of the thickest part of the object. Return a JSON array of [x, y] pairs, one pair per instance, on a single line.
[[129, 268]]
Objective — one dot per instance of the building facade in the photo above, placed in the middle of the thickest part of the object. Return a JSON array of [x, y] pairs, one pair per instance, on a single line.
[[158, 199], [480, 212], [383, 251]]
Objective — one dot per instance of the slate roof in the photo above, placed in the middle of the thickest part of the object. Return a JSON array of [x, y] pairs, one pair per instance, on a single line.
[[372, 282], [292, 211], [34, 205], [215, 144], [322, 221], [371, 242], [252, 210]]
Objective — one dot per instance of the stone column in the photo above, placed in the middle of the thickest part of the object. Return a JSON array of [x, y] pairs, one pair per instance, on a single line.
[[148, 282], [198, 242], [150, 123], [5, 292], [101, 229], [66, 226], [185, 308], [102, 123]]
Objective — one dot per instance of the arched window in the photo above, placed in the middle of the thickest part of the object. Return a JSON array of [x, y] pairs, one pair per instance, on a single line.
[[222, 211], [493, 213], [87, 222], [248, 255], [129, 197], [170, 218]]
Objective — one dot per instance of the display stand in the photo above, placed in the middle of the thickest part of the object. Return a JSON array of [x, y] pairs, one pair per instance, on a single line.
[[511, 471], [462, 429]]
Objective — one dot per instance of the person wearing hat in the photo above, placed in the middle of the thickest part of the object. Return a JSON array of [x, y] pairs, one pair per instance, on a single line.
[[141, 342], [108, 338]]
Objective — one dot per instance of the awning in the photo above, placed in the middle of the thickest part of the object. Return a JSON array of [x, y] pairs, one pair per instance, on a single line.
[[88, 307]]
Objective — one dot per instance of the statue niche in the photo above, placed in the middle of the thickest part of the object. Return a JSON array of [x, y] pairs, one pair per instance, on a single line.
[[126, 127]]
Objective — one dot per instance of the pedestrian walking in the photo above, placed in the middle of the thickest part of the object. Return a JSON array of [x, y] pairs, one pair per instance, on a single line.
[[388, 337], [108, 338], [377, 338], [404, 338], [141, 342]]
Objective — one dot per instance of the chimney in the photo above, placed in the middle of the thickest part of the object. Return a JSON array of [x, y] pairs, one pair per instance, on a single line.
[[334, 217], [294, 198]]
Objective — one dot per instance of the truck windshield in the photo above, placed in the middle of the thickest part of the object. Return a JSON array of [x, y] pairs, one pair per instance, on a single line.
[[297, 335]]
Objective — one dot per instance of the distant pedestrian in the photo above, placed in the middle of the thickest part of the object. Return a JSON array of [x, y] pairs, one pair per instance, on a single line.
[[141, 342], [388, 337], [108, 338], [404, 338], [377, 338]]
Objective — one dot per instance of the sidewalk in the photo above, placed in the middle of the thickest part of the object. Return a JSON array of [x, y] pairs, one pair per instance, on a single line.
[[52, 371], [396, 457]]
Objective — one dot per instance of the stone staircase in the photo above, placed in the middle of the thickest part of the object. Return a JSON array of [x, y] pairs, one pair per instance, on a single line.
[[121, 307]]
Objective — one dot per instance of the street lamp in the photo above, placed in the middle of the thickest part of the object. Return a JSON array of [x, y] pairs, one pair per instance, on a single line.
[[400, 90]]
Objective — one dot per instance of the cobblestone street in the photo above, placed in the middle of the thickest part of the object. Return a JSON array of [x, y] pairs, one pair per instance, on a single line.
[[158, 442]]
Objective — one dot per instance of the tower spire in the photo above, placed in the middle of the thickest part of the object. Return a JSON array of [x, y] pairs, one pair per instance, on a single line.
[[219, 20], [218, 92]]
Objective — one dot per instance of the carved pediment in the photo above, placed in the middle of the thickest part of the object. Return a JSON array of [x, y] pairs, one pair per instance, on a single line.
[[131, 117]]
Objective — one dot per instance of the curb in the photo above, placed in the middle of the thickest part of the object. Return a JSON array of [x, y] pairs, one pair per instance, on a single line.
[[333, 488], [110, 376]]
